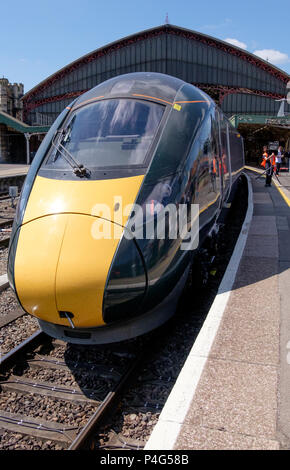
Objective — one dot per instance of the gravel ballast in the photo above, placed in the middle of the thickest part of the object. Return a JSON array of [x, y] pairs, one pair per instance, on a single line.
[[13, 334], [3, 260], [8, 302]]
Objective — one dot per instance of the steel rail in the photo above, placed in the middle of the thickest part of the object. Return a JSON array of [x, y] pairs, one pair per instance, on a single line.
[[104, 407], [32, 341], [8, 360]]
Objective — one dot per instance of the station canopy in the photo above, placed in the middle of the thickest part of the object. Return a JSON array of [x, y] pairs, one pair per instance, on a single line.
[[20, 126]]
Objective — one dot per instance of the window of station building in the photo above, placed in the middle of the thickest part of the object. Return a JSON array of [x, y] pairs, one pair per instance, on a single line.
[[107, 134]]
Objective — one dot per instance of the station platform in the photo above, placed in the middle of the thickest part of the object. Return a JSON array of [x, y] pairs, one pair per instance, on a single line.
[[233, 391], [13, 169]]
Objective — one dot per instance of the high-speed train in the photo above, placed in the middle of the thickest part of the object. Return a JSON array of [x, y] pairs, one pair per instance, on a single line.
[[124, 156]]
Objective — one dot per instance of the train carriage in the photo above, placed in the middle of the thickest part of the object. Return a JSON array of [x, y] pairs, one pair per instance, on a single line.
[[80, 258]]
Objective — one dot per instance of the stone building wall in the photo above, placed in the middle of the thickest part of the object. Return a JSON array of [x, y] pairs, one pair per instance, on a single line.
[[10, 95], [10, 103], [3, 143]]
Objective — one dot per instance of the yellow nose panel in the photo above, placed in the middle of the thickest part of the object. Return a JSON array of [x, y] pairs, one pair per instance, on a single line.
[[83, 268], [36, 263], [50, 196], [62, 259], [61, 266]]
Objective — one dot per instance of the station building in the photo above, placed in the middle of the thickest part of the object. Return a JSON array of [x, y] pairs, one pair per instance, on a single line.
[[10, 105], [246, 87], [18, 140]]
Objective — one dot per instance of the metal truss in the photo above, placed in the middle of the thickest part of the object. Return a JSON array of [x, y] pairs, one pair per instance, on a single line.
[[29, 104], [219, 92]]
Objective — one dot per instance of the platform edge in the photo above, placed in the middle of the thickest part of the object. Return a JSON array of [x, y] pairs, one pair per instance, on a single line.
[[167, 429]]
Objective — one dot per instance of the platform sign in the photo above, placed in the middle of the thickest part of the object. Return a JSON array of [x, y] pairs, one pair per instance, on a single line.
[[273, 145], [279, 121]]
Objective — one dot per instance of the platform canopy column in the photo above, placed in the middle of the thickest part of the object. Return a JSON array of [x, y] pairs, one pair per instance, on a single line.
[[27, 137]]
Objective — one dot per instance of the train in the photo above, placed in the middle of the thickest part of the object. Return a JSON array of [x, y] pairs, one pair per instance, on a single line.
[[86, 257]]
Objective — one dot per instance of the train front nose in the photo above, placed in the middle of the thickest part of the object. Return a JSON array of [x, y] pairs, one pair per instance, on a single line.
[[61, 266], [59, 260]]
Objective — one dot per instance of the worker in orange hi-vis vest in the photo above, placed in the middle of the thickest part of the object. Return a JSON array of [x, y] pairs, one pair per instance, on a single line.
[[273, 160], [269, 165], [265, 156]]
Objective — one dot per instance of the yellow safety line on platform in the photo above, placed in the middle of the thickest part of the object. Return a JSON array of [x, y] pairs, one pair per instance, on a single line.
[[286, 198]]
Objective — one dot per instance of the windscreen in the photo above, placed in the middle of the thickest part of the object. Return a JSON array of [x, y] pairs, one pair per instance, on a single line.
[[107, 134]]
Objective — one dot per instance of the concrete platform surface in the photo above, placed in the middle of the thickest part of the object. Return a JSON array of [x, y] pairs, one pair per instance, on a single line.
[[242, 399]]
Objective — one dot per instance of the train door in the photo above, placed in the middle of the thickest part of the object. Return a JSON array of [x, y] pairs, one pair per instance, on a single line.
[[229, 159], [224, 156], [208, 178], [216, 158], [218, 118]]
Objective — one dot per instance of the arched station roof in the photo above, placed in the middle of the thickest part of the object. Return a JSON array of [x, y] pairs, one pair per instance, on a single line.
[[229, 74]]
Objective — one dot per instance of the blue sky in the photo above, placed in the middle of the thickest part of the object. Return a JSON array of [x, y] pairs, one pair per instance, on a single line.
[[39, 36]]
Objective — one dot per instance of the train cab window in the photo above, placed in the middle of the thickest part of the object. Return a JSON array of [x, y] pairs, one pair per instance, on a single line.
[[115, 133]]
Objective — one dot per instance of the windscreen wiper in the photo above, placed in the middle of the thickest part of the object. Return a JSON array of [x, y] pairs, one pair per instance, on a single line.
[[78, 168]]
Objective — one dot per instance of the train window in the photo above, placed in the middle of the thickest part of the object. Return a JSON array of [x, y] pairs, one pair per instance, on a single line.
[[107, 134], [208, 166]]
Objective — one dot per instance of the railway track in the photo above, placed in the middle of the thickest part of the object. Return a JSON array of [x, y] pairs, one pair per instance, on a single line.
[[4, 242], [5, 197], [4, 224], [23, 389], [11, 317]]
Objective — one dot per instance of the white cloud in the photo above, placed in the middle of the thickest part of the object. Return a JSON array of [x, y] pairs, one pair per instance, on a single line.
[[275, 57], [237, 43]]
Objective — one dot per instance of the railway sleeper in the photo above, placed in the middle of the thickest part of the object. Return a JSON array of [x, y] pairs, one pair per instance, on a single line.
[[100, 371], [31, 386], [11, 316], [38, 428]]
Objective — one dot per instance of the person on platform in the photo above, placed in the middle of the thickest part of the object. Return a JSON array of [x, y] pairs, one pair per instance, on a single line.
[[270, 166], [268, 163], [278, 160], [265, 156]]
